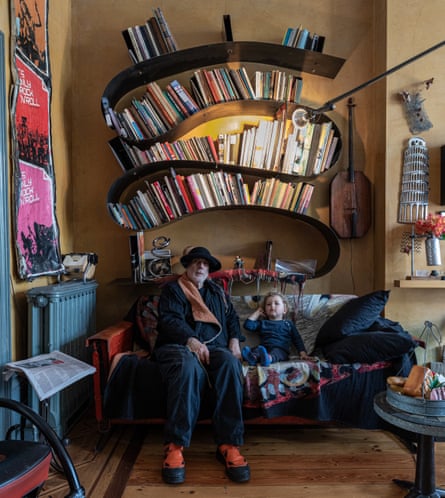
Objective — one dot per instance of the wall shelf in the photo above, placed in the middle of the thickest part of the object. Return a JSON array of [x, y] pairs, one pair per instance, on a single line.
[[420, 284]]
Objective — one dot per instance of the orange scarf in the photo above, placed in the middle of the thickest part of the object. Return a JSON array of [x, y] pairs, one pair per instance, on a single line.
[[200, 311]]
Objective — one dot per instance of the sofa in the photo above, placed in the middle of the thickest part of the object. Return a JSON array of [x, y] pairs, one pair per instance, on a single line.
[[353, 350]]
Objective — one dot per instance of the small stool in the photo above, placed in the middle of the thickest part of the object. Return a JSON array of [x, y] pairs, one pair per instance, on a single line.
[[24, 467]]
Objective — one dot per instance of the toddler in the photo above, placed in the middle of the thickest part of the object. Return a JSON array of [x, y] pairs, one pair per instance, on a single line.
[[276, 334]]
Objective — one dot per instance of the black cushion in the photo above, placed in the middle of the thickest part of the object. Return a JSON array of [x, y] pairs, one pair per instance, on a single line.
[[369, 347], [354, 316]]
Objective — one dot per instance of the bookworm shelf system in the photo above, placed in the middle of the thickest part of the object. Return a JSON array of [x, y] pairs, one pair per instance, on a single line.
[[127, 192]]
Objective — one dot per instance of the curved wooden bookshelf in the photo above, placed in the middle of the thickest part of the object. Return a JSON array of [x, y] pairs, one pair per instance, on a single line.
[[129, 81], [307, 61]]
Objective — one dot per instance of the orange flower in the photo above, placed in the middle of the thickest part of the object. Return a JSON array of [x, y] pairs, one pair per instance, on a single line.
[[433, 225]]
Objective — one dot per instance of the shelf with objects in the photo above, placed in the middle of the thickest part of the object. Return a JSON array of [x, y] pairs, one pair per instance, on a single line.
[[175, 168]]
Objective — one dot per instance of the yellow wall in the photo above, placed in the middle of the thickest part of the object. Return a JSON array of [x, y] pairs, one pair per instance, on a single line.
[[87, 50], [349, 36], [412, 27]]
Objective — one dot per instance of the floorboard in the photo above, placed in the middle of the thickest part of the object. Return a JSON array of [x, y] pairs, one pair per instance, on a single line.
[[285, 462]]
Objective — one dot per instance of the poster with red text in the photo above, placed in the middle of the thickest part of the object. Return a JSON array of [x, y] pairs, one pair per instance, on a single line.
[[36, 229]]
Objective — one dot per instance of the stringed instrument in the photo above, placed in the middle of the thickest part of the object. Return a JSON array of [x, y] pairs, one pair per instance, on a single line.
[[350, 194]]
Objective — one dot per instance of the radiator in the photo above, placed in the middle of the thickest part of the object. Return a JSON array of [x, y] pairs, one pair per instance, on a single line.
[[61, 317]]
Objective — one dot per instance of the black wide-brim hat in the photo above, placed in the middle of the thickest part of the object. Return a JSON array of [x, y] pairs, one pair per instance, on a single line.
[[201, 253]]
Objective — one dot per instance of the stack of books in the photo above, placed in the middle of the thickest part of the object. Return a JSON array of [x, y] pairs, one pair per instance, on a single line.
[[302, 38], [277, 85], [150, 39]]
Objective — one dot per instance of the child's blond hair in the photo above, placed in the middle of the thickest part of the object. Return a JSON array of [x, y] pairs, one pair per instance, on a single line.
[[276, 294]]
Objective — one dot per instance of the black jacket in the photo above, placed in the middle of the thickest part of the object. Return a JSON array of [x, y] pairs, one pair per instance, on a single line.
[[176, 323]]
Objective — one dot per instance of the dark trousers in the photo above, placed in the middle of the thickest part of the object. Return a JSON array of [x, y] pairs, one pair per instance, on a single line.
[[187, 380], [276, 354]]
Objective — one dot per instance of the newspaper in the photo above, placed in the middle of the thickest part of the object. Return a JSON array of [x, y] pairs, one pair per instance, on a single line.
[[52, 372]]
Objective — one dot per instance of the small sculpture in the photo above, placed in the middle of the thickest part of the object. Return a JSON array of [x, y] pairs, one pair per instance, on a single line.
[[416, 115], [238, 263]]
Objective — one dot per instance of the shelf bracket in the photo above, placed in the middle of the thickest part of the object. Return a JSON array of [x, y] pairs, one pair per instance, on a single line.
[[228, 27]]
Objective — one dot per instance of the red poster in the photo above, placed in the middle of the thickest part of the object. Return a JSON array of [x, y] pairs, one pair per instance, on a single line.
[[37, 237]]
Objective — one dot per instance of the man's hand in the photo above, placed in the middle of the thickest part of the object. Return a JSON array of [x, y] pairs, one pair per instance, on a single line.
[[200, 349], [235, 348]]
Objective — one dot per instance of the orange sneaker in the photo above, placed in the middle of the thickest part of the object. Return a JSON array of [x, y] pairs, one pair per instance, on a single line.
[[237, 468], [173, 468]]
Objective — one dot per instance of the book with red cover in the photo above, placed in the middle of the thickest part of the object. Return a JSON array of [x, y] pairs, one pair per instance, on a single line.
[[212, 148], [180, 183], [213, 86], [157, 187]]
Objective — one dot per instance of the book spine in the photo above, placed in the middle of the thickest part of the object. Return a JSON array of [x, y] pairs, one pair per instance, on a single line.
[[178, 192], [150, 40], [238, 83], [178, 102], [189, 102], [169, 197], [214, 153], [155, 91], [160, 126], [140, 39], [148, 208], [186, 193], [120, 151], [134, 44], [165, 30], [247, 83], [194, 189], [156, 203], [114, 210]]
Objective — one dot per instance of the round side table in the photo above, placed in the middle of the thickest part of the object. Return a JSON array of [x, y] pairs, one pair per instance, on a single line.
[[426, 429]]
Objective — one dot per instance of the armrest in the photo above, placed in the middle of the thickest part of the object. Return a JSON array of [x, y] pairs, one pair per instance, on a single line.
[[105, 345], [114, 339]]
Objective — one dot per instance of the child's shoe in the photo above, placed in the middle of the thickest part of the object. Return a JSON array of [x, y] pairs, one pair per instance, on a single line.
[[265, 359], [248, 356]]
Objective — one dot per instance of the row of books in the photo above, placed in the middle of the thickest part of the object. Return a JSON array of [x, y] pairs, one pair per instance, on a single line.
[[155, 113], [300, 37], [277, 85], [159, 110], [269, 146], [310, 150], [192, 149], [177, 195], [150, 39]]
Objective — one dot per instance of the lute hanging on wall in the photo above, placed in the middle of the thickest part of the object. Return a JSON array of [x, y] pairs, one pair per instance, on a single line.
[[350, 194]]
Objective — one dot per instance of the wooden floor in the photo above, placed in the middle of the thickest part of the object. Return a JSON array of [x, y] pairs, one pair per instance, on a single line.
[[285, 462]]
